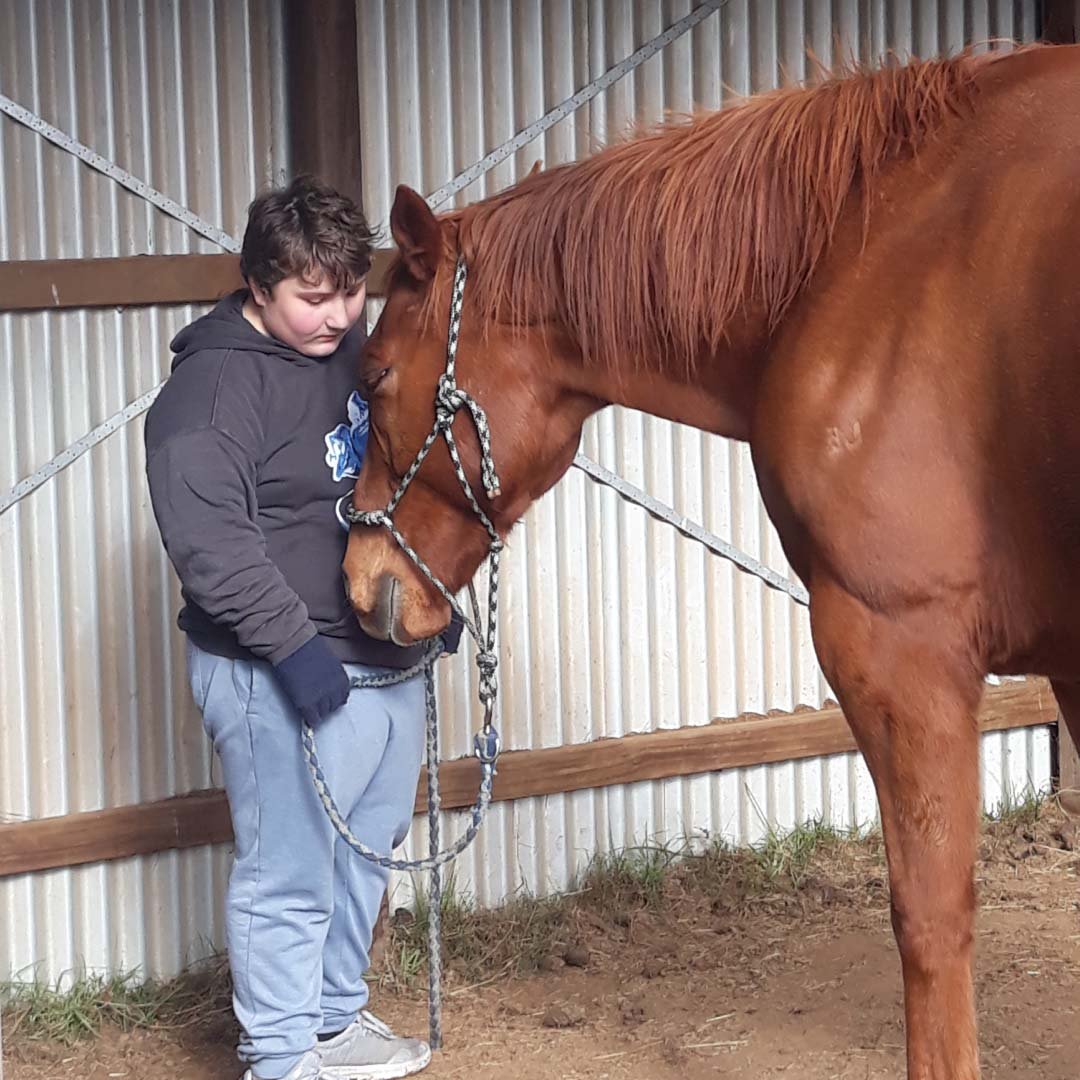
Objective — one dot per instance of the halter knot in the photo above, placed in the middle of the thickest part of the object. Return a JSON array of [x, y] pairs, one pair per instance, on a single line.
[[366, 517], [449, 401]]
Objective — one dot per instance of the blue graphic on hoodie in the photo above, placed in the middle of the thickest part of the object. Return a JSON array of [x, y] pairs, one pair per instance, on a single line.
[[345, 445]]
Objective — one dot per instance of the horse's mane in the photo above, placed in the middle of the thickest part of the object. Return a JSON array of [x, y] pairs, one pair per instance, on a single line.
[[654, 244]]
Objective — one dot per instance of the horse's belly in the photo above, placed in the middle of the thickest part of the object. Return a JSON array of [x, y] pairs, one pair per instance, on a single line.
[[1032, 597]]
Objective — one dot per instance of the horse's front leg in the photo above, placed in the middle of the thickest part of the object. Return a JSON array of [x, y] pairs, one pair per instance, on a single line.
[[911, 699]]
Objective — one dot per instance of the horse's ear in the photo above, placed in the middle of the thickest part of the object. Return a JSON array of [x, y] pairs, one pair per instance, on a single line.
[[534, 170], [416, 232]]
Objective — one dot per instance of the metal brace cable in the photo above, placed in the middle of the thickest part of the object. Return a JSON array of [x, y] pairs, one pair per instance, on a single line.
[[156, 198], [114, 172], [574, 102], [691, 529], [76, 450]]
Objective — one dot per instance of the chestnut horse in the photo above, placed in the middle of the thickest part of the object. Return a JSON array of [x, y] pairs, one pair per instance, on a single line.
[[876, 283]]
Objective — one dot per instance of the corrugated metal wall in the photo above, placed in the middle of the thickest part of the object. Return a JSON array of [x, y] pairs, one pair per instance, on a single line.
[[611, 623], [94, 708]]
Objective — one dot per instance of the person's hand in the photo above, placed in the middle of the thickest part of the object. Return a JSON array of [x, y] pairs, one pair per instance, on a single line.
[[314, 680], [451, 636]]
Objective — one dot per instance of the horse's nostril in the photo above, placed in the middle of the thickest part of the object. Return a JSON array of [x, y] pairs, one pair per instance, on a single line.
[[376, 616]]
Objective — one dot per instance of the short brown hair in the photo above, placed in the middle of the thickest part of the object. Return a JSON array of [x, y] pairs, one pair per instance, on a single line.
[[303, 228]]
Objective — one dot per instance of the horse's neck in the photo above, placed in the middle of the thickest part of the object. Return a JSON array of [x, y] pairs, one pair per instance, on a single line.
[[713, 392]]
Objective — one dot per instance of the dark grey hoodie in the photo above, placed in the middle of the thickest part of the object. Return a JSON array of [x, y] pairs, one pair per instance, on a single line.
[[249, 448]]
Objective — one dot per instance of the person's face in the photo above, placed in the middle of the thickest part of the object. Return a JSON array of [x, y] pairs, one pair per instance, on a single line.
[[308, 313]]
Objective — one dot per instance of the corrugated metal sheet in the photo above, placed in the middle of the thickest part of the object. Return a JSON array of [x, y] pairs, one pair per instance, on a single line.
[[94, 704], [612, 623]]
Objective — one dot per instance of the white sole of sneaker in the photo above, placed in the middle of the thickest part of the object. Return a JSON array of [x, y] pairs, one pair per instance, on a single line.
[[374, 1072]]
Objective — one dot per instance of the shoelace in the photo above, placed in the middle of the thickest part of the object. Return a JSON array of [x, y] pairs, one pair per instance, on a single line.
[[373, 1024]]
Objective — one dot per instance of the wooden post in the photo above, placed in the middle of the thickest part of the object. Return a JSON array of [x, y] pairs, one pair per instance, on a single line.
[[323, 87], [1059, 21], [1068, 760]]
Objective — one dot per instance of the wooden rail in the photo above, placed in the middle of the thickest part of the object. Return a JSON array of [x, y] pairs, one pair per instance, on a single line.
[[203, 817], [132, 281]]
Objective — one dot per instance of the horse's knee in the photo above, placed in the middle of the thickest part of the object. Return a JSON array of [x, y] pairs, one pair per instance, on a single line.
[[934, 929]]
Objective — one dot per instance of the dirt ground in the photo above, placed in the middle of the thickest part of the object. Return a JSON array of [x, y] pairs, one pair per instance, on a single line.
[[799, 981]]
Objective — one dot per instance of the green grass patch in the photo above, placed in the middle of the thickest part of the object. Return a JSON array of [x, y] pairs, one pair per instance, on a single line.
[[1020, 811], [634, 877], [477, 943], [80, 1008], [789, 856]]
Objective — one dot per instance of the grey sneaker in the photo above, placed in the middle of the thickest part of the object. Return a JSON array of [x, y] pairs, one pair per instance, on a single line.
[[368, 1050], [307, 1068]]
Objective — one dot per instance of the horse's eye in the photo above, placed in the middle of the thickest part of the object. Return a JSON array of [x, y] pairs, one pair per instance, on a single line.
[[370, 379]]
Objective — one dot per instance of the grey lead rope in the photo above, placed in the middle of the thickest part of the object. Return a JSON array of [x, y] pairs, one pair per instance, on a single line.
[[434, 926], [436, 858], [487, 774]]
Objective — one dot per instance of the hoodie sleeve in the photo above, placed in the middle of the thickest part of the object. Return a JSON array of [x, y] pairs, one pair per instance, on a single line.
[[202, 486]]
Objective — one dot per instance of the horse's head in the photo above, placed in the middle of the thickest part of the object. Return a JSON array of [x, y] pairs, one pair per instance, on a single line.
[[516, 375]]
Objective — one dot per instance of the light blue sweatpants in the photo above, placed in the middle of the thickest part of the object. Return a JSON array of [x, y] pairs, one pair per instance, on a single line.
[[301, 905]]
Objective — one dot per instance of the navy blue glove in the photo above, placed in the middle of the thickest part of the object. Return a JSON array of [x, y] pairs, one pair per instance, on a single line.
[[313, 680], [451, 636]]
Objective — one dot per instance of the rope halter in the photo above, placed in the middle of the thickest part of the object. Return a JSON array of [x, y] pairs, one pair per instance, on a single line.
[[450, 400]]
